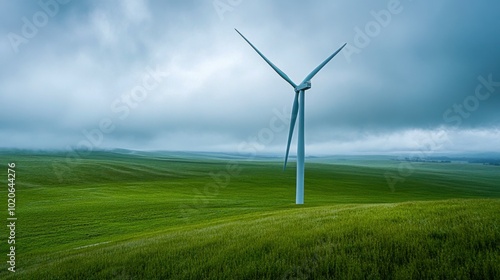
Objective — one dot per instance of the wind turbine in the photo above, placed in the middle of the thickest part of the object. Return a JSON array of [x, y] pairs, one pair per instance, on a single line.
[[297, 109]]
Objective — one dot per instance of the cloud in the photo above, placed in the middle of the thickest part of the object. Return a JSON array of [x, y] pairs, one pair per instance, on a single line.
[[417, 72]]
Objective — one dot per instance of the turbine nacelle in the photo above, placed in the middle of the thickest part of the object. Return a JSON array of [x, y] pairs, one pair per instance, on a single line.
[[304, 86]]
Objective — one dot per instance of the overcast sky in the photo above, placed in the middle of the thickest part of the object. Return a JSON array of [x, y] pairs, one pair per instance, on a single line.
[[174, 75]]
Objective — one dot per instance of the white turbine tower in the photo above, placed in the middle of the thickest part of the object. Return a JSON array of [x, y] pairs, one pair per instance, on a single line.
[[298, 108]]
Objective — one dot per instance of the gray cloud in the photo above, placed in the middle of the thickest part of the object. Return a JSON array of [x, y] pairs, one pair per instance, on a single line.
[[89, 58]]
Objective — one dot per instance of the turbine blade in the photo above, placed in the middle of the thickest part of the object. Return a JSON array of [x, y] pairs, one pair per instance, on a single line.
[[281, 73], [295, 110], [316, 70]]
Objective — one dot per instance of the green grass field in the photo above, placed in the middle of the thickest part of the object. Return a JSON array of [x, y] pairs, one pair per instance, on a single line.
[[184, 216]]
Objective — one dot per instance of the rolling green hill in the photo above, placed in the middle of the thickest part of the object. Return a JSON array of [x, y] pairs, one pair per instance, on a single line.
[[185, 216]]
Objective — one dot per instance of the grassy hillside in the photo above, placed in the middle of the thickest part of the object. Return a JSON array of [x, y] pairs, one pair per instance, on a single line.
[[116, 215]]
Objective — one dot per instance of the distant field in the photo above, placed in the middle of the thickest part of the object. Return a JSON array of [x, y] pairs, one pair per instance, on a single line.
[[177, 215]]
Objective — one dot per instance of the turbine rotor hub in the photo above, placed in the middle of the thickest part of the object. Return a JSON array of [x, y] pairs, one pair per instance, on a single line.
[[303, 86]]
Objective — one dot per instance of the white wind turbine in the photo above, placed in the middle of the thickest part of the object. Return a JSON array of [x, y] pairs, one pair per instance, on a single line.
[[298, 108]]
